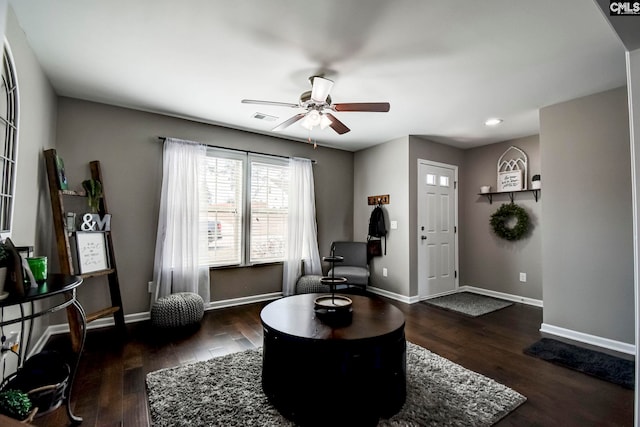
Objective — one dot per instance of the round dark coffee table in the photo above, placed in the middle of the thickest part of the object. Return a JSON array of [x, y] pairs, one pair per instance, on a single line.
[[318, 374]]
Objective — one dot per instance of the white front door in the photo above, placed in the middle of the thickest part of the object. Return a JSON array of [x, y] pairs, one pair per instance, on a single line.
[[437, 219]]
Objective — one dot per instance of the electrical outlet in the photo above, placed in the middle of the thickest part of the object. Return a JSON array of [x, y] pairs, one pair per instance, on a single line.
[[150, 287], [523, 277], [384, 272]]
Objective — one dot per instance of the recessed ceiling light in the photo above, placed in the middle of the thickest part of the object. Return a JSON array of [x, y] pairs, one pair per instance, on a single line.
[[493, 122]]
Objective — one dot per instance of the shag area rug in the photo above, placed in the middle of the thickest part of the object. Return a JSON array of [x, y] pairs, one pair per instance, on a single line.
[[468, 303], [227, 391], [601, 365]]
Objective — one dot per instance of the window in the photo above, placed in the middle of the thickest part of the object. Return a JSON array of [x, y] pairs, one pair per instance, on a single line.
[[223, 204], [431, 179], [8, 144], [246, 205], [269, 208]]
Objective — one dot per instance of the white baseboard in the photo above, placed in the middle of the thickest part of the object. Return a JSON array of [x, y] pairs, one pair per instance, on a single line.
[[441, 294], [63, 328], [501, 295], [545, 327], [242, 301], [597, 341], [392, 295], [465, 288], [139, 317]]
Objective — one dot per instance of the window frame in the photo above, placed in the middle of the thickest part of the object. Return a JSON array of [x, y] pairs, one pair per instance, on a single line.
[[246, 238], [12, 119], [232, 155]]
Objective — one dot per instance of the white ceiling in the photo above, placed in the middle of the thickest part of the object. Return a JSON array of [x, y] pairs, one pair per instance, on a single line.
[[445, 66]]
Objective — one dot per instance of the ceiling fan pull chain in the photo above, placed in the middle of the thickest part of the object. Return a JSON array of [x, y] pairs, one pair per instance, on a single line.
[[315, 142]]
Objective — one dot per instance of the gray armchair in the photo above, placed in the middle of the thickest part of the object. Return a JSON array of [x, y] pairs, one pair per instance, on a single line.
[[354, 267]]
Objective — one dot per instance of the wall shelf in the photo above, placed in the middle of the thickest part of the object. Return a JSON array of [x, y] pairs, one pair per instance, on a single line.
[[489, 196]]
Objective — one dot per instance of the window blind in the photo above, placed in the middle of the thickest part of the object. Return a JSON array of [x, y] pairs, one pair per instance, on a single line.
[[269, 208], [223, 202]]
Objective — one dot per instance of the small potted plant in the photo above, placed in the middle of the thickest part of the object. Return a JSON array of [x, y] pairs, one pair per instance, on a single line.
[[15, 404], [93, 187], [535, 182]]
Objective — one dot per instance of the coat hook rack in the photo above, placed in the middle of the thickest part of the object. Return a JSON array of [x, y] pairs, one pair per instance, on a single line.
[[378, 200]]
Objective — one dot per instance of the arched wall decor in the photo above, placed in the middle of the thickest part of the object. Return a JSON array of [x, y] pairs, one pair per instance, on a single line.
[[512, 170]]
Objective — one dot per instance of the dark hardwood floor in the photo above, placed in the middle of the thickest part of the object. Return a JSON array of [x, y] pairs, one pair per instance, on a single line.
[[110, 388]]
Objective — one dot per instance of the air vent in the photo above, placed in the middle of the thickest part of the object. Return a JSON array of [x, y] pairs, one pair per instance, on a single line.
[[266, 117]]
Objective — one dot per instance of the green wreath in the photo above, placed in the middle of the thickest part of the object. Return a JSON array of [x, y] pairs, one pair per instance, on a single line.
[[501, 217]]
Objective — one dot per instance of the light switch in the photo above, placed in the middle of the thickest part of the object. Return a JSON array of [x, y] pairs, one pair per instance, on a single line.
[[394, 225]]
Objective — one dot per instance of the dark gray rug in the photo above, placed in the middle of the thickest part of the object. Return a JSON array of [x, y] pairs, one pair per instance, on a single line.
[[227, 391], [601, 365], [468, 303]]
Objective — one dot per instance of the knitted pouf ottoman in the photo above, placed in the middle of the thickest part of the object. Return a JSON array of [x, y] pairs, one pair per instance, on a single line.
[[309, 284], [177, 310]]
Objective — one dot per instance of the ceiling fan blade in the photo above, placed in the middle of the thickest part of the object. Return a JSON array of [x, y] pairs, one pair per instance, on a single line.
[[320, 89], [377, 107], [277, 104], [289, 122], [337, 125]]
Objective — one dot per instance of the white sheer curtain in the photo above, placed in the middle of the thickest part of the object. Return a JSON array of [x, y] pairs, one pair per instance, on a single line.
[[302, 237], [179, 239]]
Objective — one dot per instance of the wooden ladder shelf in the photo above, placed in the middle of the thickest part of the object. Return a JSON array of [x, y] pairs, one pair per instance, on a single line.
[[65, 254]]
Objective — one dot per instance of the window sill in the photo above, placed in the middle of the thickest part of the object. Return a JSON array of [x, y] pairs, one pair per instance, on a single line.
[[262, 264]]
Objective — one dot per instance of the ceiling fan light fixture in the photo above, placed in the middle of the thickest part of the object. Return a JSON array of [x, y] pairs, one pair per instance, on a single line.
[[325, 122], [311, 120], [316, 118], [305, 124], [320, 90]]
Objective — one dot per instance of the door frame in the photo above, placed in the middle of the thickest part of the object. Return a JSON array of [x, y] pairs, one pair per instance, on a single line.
[[455, 219]]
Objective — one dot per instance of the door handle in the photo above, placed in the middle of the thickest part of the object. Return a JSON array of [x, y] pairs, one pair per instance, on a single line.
[[423, 237]]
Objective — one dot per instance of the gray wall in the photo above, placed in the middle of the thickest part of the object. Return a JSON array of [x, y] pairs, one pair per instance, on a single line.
[[37, 123], [587, 238], [420, 148], [488, 261], [392, 168], [125, 141], [378, 170], [633, 79]]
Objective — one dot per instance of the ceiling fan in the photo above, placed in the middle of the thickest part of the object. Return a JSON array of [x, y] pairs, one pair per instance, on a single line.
[[319, 108]]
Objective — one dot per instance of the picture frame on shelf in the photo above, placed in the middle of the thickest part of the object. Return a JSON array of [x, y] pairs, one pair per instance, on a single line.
[[92, 251], [14, 284], [510, 181]]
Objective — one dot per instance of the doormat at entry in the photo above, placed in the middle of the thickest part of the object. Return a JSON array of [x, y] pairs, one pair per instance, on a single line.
[[468, 303], [600, 365]]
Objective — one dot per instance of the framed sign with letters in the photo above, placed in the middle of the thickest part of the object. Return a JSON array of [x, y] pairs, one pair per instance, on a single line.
[[92, 252], [510, 181]]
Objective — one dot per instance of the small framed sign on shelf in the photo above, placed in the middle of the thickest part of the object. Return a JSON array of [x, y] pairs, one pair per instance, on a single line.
[[92, 252], [510, 181]]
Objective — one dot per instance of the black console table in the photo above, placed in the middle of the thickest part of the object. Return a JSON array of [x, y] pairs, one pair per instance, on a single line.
[[61, 285]]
